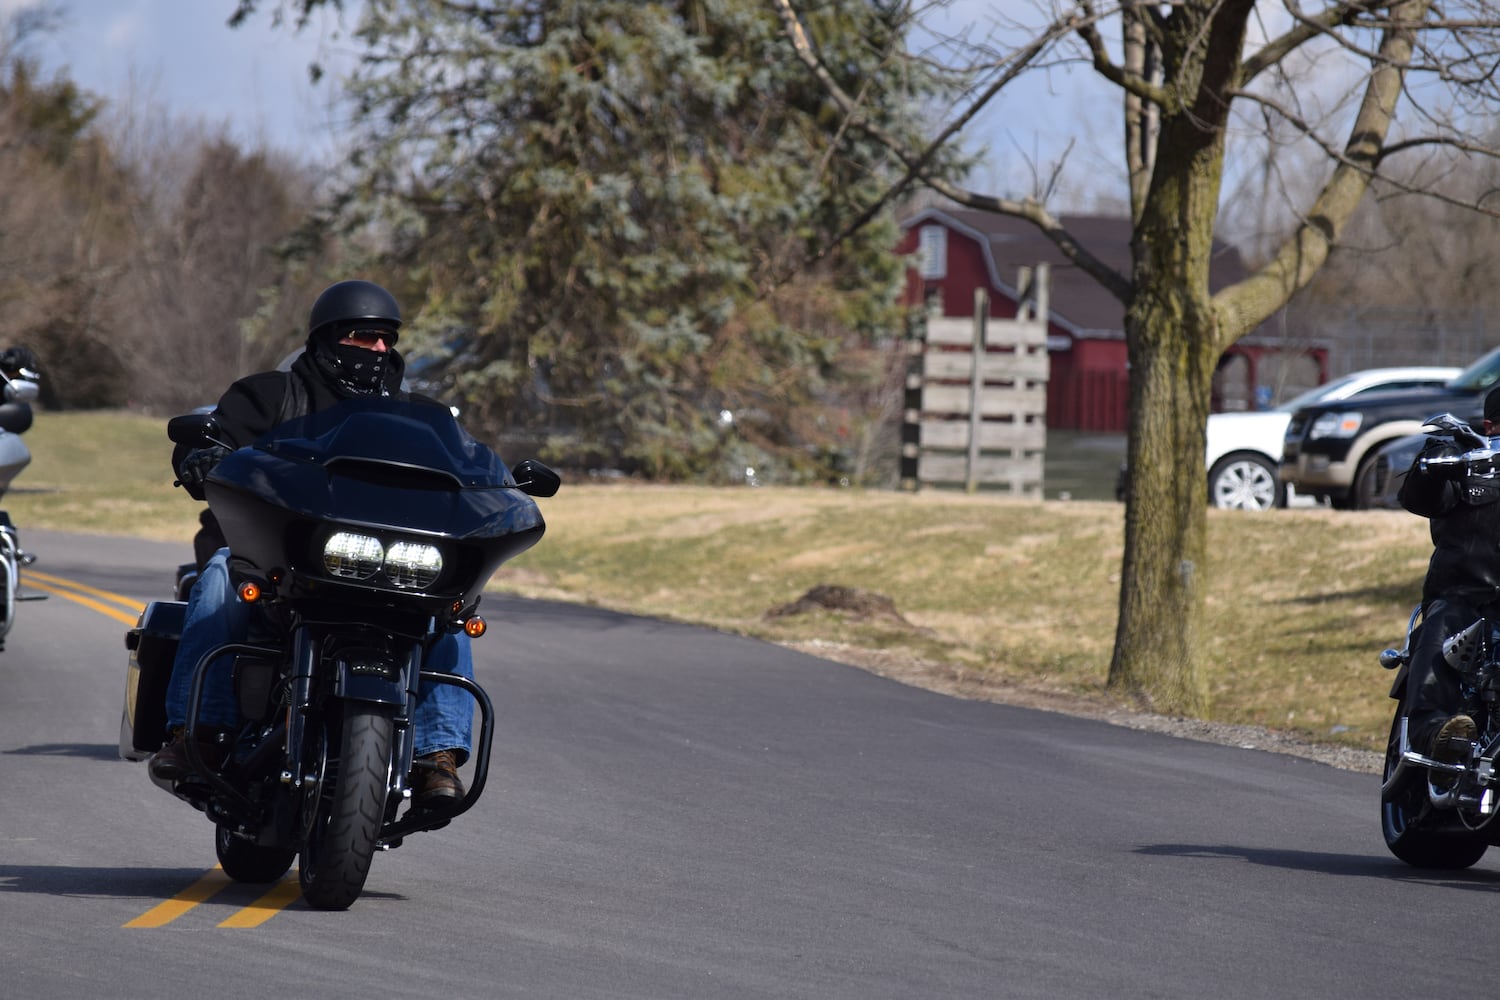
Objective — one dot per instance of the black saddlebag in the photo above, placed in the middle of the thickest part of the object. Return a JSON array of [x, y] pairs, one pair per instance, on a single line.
[[153, 646]]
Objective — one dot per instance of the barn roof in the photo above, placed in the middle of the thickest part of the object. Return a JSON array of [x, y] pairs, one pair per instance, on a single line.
[[1077, 302]]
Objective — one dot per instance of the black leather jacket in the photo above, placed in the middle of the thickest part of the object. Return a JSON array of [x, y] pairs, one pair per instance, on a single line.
[[1464, 520]]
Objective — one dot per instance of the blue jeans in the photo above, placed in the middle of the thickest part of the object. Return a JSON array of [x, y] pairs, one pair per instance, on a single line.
[[443, 719]]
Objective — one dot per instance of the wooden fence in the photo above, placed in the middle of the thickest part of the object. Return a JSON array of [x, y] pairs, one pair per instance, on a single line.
[[976, 398]]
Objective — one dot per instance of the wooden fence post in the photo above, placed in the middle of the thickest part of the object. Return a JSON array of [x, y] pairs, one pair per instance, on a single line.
[[976, 401]]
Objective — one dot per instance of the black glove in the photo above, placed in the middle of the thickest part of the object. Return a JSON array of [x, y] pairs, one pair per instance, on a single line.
[[195, 467]]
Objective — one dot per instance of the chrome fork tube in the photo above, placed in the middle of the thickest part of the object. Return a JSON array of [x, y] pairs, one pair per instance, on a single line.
[[304, 659]]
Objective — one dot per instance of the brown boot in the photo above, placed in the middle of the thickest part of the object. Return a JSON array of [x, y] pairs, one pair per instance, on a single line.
[[435, 782], [1453, 743], [170, 763]]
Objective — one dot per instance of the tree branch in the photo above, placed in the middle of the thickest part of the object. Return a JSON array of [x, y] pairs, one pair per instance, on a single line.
[[1243, 306], [916, 166], [1306, 29], [1130, 82]]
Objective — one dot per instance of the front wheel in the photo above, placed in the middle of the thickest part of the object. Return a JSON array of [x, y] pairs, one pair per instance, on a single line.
[[1409, 824], [348, 809]]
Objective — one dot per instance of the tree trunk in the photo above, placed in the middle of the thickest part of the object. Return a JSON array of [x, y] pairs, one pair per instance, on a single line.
[[1172, 335], [1161, 583]]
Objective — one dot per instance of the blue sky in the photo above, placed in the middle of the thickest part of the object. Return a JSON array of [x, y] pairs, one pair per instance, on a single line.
[[180, 55]]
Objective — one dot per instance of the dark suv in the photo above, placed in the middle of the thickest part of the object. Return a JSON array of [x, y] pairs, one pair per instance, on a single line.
[[1330, 448]]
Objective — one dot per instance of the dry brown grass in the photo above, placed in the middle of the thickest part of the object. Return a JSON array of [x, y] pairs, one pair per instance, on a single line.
[[1002, 598]]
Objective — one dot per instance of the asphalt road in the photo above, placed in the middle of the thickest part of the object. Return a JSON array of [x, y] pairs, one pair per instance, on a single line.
[[675, 813]]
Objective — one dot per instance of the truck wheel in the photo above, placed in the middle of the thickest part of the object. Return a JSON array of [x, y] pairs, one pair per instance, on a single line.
[[1362, 492], [1243, 481]]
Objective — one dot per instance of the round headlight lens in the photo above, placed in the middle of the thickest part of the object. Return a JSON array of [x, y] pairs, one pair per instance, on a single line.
[[352, 556], [412, 565]]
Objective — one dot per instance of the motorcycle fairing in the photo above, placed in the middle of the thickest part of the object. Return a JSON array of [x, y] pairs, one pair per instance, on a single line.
[[395, 469]]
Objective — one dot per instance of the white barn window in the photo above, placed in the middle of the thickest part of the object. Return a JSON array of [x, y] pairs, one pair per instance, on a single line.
[[932, 252]]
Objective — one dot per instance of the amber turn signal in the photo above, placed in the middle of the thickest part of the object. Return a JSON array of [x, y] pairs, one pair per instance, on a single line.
[[249, 592], [475, 627]]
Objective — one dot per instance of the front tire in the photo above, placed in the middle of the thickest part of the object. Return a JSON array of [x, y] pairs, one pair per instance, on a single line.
[[350, 805], [1408, 823]]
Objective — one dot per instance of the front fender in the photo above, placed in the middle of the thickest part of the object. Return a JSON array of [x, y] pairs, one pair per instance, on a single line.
[[370, 675]]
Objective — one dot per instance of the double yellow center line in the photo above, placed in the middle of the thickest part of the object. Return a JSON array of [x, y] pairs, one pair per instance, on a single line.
[[281, 895], [92, 598]]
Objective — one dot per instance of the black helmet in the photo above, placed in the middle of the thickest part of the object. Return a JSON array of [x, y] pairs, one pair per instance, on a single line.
[[355, 303]]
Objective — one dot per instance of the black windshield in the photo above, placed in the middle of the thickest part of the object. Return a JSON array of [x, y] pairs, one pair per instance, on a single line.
[[412, 433]]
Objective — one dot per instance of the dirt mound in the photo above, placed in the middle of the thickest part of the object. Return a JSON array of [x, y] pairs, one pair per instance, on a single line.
[[864, 605]]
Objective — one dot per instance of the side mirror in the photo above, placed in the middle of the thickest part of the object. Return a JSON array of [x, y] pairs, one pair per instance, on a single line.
[[1447, 423], [535, 479], [196, 430]]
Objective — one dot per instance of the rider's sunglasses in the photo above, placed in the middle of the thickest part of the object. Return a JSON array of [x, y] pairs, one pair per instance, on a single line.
[[368, 339]]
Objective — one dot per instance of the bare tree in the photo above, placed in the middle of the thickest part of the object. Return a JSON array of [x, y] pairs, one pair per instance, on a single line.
[[1194, 79], [59, 213], [138, 252], [206, 295]]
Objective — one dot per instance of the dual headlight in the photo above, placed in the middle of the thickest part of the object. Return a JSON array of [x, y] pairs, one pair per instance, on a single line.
[[408, 565]]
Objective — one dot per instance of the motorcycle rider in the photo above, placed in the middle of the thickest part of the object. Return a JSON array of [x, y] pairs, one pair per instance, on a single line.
[[1462, 585], [352, 330]]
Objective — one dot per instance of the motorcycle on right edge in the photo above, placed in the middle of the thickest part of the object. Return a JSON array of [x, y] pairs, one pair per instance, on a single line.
[[1435, 814]]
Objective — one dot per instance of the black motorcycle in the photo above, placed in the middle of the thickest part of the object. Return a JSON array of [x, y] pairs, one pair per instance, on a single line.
[[363, 533], [1433, 813]]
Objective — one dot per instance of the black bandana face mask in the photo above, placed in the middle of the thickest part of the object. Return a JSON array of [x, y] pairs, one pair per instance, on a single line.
[[361, 371]]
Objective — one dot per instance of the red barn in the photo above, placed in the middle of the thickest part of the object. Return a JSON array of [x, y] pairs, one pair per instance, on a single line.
[[956, 250]]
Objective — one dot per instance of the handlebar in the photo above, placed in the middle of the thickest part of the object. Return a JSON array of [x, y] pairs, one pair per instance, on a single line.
[[1479, 456], [1480, 461]]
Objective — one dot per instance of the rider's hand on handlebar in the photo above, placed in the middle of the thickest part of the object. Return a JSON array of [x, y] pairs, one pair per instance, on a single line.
[[1444, 463], [195, 467]]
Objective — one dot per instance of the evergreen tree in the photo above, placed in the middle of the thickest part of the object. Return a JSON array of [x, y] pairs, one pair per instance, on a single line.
[[616, 214]]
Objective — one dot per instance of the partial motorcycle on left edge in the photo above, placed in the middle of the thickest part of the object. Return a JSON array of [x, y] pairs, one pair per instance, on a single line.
[[19, 387]]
